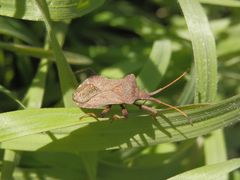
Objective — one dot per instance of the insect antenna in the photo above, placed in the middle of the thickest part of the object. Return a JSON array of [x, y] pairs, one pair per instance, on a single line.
[[165, 87]]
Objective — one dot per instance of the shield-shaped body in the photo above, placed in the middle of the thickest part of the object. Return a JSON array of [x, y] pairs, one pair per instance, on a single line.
[[98, 91]]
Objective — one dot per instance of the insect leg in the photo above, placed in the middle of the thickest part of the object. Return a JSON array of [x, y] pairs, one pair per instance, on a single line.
[[124, 111], [115, 117], [106, 110], [151, 110], [89, 115]]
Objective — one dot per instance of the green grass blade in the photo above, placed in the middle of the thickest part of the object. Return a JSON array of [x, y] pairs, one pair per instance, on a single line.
[[228, 3], [156, 66], [203, 49], [210, 172], [15, 29], [187, 94], [34, 96], [10, 160], [72, 58], [215, 149], [229, 47], [10, 95], [33, 99], [67, 80], [137, 130], [60, 9]]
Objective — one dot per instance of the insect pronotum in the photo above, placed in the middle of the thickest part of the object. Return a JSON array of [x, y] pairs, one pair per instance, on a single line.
[[98, 91]]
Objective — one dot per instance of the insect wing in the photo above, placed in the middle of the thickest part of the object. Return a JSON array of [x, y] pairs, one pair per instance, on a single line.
[[96, 91], [85, 92], [99, 91], [103, 99]]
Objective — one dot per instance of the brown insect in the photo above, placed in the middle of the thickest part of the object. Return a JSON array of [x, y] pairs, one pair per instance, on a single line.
[[98, 91]]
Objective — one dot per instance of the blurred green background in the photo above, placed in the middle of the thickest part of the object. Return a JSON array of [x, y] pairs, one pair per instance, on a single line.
[[157, 41]]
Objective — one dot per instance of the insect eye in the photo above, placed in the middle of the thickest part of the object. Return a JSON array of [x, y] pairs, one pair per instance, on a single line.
[[85, 93]]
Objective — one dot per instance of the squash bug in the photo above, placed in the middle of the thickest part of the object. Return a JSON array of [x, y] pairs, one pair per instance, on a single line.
[[98, 91]]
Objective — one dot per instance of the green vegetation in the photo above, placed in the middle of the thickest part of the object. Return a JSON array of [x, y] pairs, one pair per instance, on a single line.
[[48, 47]]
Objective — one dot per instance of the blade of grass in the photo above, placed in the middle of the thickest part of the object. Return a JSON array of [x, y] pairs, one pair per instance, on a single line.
[[33, 99], [228, 47], [71, 57], [155, 68], [16, 29], [137, 131], [10, 95], [187, 94], [34, 96], [216, 139], [60, 9], [236, 175], [228, 3], [67, 79], [204, 51], [10, 160], [210, 172]]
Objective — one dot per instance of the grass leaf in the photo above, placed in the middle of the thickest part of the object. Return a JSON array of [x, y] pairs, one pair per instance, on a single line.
[[10, 161], [210, 172], [204, 51], [72, 58], [67, 80], [228, 3], [60, 9], [205, 69], [10, 95], [156, 66], [16, 29], [136, 131]]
